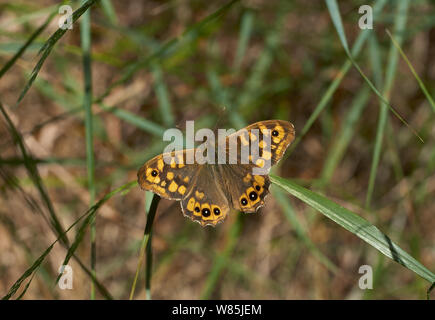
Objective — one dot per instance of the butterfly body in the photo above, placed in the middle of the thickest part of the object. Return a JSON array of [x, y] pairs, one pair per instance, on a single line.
[[208, 191]]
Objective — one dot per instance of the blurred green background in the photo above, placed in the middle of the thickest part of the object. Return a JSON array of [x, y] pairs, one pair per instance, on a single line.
[[112, 84]]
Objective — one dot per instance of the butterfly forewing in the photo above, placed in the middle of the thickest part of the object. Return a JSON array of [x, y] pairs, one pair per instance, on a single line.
[[261, 144], [169, 179]]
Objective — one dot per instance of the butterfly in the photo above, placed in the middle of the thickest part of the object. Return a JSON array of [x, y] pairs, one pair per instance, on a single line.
[[208, 191]]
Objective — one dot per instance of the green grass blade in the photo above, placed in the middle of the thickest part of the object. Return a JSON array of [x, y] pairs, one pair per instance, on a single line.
[[29, 272], [31, 167], [400, 23], [85, 37], [247, 24], [144, 124], [355, 224], [336, 18], [259, 70], [162, 96], [149, 197], [294, 222], [326, 97], [420, 82], [341, 142], [89, 215], [221, 258], [33, 172], [168, 49], [48, 46], [109, 11], [145, 240], [26, 45], [39, 261]]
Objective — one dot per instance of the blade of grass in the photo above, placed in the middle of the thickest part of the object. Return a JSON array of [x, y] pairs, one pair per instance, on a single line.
[[89, 215], [36, 179], [246, 27], [29, 272], [26, 45], [420, 82], [39, 261], [294, 222], [149, 196], [344, 136], [336, 18], [326, 97], [85, 38], [144, 124], [48, 46], [162, 96], [220, 260], [355, 224], [256, 78], [33, 172], [399, 25], [145, 240], [166, 50], [109, 11]]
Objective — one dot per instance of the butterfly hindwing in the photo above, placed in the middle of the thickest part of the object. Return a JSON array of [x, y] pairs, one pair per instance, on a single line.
[[207, 202], [247, 190]]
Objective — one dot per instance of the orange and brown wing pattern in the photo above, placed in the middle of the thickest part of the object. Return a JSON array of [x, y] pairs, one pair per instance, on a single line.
[[206, 203], [171, 180], [208, 191], [270, 137], [247, 191], [267, 142]]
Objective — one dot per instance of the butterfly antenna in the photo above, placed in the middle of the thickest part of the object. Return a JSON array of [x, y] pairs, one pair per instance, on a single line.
[[220, 116]]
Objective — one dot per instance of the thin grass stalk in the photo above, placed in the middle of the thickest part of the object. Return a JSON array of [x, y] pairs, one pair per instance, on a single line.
[[48, 46], [326, 97], [420, 82], [336, 18], [29, 41], [85, 37], [36, 265], [149, 254], [399, 25], [148, 267], [220, 260], [355, 224], [147, 234]]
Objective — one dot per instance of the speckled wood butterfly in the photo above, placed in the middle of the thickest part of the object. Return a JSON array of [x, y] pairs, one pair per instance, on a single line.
[[208, 191]]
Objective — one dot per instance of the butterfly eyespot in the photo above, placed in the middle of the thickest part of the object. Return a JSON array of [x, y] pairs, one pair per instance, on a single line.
[[154, 173], [244, 201], [275, 133], [216, 211], [197, 209], [258, 188], [253, 195], [206, 212]]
